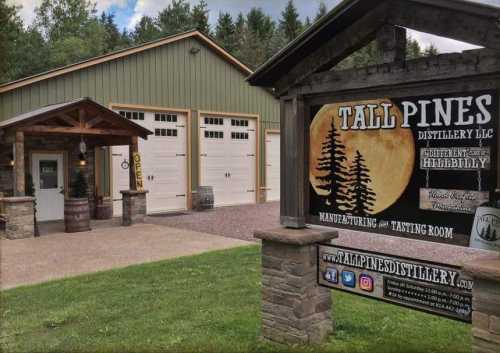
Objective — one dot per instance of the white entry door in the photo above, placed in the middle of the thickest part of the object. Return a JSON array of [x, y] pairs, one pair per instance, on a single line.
[[228, 158], [273, 167], [48, 178], [164, 163]]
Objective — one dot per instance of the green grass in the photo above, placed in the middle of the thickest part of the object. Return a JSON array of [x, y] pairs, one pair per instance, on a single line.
[[198, 304]]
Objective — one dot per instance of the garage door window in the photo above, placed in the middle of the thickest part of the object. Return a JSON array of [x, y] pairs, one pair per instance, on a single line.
[[132, 115], [239, 122], [214, 134], [166, 132], [214, 121], [239, 135], [167, 118]]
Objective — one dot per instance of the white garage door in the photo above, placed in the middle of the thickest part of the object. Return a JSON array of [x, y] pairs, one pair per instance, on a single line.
[[228, 158], [273, 167], [164, 162]]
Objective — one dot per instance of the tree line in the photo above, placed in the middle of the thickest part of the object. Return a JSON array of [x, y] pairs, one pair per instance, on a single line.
[[68, 31]]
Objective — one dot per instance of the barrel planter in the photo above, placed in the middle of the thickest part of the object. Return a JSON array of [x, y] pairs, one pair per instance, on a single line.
[[203, 199], [76, 215], [104, 209]]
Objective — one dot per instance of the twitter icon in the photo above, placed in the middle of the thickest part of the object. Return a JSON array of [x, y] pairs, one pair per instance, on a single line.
[[349, 279]]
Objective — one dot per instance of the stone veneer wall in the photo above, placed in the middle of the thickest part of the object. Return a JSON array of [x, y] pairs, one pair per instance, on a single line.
[[134, 207]]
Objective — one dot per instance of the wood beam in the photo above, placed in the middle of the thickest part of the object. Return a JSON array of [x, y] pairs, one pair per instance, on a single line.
[[359, 34], [82, 115], [133, 148], [19, 172], [67, 119], [74, 131], [442, 67], [391, 41], [93, 122], [455, 24]]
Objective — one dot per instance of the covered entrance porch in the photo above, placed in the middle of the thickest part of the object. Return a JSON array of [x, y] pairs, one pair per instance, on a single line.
[[43, 152]]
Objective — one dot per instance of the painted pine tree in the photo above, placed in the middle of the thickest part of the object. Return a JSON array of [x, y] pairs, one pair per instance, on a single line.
[[363, 197], [335, 178]]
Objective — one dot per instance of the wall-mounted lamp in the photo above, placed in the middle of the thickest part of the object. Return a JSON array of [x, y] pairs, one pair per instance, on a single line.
[[82, 160], [11, 160], [194, 50]]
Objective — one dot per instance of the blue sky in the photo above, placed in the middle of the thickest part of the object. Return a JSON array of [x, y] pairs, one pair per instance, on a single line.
[[128, 13]]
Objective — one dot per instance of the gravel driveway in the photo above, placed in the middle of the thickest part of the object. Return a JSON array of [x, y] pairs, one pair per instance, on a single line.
[[234, 222]]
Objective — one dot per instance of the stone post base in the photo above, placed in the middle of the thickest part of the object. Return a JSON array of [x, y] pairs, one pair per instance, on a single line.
[[295, 310], [19, 214], [134, 207], [485, 304]]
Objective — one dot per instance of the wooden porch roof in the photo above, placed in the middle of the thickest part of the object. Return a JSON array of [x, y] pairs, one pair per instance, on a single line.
[[81, 117]]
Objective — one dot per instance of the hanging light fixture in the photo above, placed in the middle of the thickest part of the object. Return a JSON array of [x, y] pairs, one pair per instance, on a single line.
[[83, 152], [11, 160]]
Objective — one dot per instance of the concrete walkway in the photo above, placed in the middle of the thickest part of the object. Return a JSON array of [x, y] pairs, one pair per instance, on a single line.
[[36, 260]]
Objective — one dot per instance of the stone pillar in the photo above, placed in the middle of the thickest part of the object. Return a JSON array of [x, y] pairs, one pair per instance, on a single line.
[[19, 215], [134, 207], [485, 304], [295, 309]]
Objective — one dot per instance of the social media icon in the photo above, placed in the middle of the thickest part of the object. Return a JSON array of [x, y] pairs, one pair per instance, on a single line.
[[331, 275], [349, 279], [366, 283]]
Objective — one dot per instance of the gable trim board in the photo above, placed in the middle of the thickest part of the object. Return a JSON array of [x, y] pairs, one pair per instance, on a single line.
[[257, 119], [126, 52]]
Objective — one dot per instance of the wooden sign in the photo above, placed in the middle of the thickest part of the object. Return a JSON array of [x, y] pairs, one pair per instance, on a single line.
[[138, 171], [416, 167], [427, 286], [455, 201]]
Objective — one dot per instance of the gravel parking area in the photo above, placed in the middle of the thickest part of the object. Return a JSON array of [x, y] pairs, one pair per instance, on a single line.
[[240, 222], [234, 222]]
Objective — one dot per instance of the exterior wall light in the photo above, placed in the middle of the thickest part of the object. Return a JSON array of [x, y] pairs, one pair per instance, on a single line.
[[194, 50], [11, 160], [82, 160]]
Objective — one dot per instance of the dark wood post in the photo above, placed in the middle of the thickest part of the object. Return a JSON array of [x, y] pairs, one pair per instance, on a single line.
[[133, 148], [391, 41], [293, 163], [19, 173]]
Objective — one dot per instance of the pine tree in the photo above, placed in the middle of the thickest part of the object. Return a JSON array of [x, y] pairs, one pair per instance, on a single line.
[[322, 11], [145, 31], [175, 18], [431, 50], [200, 17], [363, 197], [225, 32], [79, 187], [335, 178], [307, 23], [290, 24]]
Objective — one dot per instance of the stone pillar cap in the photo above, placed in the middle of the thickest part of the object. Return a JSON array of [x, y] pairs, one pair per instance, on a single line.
[[487, 268], [17, 199], [134, 192], [305, 236]]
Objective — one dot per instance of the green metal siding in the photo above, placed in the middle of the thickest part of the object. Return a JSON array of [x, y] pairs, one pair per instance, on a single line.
[[168, 76]]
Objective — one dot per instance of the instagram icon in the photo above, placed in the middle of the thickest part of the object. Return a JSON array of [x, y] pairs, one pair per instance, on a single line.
[[366, 283]]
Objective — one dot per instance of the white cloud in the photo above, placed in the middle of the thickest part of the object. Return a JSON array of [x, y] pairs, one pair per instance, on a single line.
[[146, 8], [27, 11]]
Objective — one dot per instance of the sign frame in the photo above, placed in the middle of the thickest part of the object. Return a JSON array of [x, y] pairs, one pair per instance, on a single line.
[[388, 301]]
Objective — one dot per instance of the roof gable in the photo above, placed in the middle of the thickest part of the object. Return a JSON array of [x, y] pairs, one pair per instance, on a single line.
[[210, 43], [355, 23]]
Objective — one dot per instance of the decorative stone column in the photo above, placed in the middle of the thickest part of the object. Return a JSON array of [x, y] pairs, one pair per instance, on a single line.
[[19, 214], [134, 207], [485, 304], [295, 309]]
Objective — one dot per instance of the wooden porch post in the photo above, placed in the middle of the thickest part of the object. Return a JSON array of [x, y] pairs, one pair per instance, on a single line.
[[133, 148], [19, 173]]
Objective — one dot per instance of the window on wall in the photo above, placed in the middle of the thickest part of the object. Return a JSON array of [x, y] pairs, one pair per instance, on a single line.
[[167, 118], [166, 132], [132, 115], [239, 122], [239, 135], [214, 121], [214, 134]]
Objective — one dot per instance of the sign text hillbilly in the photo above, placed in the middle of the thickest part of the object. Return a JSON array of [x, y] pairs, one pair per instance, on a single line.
[[416, 167], [436, 288]]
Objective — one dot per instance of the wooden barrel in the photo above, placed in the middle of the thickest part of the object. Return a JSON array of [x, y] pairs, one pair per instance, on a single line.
[[76, 215], [205, 198], [104, 209]]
